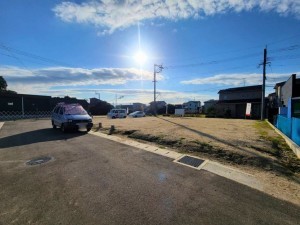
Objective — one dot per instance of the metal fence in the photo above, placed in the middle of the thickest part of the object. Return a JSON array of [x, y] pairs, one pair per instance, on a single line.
[[290, 127], [16, 115]]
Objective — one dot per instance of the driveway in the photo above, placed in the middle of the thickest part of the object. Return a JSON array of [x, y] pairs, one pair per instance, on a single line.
[[91, 180]]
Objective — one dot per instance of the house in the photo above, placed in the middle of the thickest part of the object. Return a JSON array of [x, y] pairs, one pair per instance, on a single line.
[[286, 90], [209, 104], [12, 102], [232, 101], [192, 106], [159, 104], [138, 106], [160, 107], [279, 100], [178, 106], [288, 118]]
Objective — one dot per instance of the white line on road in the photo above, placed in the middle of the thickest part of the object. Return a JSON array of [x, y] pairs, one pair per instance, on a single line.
[[1, 124]]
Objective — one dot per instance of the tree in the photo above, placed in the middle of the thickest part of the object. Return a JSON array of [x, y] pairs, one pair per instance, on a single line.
[[101, 108], [211, 112], [3, 84]]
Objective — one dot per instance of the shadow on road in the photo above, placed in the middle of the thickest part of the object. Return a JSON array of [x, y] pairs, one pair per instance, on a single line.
[[36, 136]]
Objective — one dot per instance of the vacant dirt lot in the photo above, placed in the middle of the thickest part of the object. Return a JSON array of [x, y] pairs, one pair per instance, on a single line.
[[252, 146]]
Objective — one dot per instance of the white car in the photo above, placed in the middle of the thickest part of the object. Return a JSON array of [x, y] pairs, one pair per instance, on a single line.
[[137, 114], [70, 116], [117, 113]]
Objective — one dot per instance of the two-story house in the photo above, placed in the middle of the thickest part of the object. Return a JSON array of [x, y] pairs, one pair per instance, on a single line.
[[232, 101], [209, 104], [192, 106], [286, 90]]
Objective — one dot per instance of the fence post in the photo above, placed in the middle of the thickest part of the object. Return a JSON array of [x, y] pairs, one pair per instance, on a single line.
[[22, 107]]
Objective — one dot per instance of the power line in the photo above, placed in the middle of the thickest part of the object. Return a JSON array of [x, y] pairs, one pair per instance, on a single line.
[[212, 62], [31, 55]]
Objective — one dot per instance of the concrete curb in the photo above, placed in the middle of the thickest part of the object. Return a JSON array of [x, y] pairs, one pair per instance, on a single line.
[[1, 124], [213, 167], [290, 143]]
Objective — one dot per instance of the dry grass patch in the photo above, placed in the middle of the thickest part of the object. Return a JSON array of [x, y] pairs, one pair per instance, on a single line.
[[238, 142]]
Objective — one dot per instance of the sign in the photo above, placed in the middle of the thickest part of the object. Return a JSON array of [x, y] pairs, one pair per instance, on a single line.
[[248, 109]]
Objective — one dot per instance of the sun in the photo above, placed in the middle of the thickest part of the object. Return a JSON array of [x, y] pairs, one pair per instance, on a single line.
[[140, 57]]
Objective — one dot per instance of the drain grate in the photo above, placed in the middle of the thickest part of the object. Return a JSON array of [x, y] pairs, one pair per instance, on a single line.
[[191, 161], [38, 161]]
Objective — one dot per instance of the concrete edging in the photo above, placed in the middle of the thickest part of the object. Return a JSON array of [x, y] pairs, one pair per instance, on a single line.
[[1, 124], [295, 148], [213, 167]]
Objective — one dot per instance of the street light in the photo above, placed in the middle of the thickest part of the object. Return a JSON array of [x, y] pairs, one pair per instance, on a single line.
[[118, 98]]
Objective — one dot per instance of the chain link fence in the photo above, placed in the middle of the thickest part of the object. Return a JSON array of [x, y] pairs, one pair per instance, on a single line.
[[17, 115]]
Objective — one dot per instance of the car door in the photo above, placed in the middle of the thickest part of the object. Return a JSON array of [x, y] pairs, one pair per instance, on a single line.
[[60, 115], [55, 115]]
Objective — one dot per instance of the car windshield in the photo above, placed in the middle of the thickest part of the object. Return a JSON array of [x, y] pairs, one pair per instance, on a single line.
[[74, 110]]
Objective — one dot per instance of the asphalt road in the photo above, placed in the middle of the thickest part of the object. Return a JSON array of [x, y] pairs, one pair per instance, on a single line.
[[96, 181]]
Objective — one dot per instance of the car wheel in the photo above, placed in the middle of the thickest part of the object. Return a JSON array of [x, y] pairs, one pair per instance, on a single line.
[[53, 125], [62, 127], [113, 117], [88, 129], [124, 117]]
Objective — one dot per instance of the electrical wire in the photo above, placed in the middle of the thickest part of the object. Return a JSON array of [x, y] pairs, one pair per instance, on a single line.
[[31, 55]]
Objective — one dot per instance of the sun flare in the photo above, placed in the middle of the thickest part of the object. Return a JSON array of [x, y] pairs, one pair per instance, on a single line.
[[140, 57]]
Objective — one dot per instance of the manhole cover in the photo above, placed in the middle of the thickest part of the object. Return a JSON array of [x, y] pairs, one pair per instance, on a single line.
[[38, 161], [191, 161]]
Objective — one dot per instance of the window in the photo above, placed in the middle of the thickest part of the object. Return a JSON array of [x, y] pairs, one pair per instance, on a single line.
[[56, 109], [61, 110], [75, 110]]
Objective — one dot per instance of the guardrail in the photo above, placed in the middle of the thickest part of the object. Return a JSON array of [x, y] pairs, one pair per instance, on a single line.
[[17, 115]]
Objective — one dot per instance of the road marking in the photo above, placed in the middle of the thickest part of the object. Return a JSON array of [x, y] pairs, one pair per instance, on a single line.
[[1, 124], [210, 166]]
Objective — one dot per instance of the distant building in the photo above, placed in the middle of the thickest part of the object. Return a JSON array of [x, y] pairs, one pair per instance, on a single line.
[[138, 106], [160, 107], [159, 104], [232, 101], [23, 102], [192, 106], [286, 90], [94, 101], [12, 102], [178, 106], [209, 104]]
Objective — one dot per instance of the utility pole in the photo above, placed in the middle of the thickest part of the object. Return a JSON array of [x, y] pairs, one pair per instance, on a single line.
[[157, 69], [97, 93], [117, 99], [262, 115]]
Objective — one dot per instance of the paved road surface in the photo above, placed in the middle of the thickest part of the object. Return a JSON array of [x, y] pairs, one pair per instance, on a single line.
[[96, 181]]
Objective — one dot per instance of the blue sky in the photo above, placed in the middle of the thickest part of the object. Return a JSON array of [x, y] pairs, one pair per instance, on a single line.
[[79, 48]]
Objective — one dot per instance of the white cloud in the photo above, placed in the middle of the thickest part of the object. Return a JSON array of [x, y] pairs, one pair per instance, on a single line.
[[109, 15], [239, 79], [135, 95], [66, 76]]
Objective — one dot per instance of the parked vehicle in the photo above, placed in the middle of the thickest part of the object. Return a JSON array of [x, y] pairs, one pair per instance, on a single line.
[[117, 113], [137, 114], [71, 116]]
